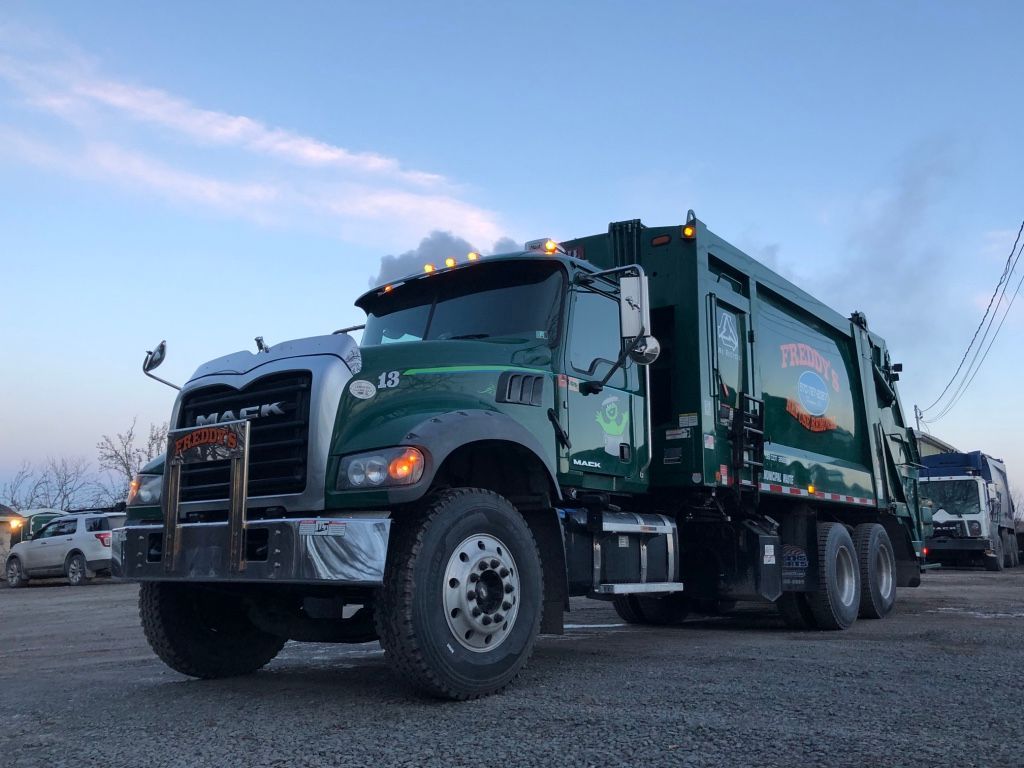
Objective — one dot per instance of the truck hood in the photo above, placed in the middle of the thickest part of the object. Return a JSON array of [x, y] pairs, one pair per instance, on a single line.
[[405, 383]]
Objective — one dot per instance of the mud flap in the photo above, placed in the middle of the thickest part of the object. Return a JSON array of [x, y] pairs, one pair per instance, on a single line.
[[908, 573]]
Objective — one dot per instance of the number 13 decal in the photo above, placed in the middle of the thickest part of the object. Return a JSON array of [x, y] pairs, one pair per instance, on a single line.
[[388, 380]]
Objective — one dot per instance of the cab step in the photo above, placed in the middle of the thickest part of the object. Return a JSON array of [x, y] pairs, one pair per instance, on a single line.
[[630, 589]]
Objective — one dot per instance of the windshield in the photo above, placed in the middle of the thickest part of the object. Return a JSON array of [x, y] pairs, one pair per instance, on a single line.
[[957, 497], [507, 300]]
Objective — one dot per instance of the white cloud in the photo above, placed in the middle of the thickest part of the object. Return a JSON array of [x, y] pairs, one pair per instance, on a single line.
[[128, 134]]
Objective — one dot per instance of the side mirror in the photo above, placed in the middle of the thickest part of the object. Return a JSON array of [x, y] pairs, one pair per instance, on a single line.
[[155, 357], [153, 360], [635, 320]]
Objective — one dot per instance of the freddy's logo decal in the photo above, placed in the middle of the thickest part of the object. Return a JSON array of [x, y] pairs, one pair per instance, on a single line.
[[812, 389], [205, 436]]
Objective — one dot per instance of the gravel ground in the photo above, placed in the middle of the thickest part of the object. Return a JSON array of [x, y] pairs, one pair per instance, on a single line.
[[938, 682]]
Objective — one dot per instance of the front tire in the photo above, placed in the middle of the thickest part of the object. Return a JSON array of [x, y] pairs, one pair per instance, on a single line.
[[16, 577], [994, 562], [460, 607], [836, 603], [203, 633], [877, 563]]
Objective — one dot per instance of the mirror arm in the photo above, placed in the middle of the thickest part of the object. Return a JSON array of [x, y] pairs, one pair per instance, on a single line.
[[594, 387], [162, 381]]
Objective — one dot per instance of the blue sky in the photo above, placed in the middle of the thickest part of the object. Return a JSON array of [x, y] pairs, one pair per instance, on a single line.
[[206, 173]]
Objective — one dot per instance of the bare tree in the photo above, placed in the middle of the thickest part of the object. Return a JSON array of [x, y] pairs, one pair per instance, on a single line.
[[64, 483], [124, 454]]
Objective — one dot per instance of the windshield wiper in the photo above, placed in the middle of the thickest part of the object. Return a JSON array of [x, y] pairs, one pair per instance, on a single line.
[[470, 336]]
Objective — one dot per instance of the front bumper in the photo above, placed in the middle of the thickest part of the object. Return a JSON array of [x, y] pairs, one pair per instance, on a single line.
[[338, 551], [955, 544]]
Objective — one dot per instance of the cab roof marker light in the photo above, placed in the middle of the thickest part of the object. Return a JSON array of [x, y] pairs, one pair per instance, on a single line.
[[473, 256], [450, 262], [546, 245], [428, 268]]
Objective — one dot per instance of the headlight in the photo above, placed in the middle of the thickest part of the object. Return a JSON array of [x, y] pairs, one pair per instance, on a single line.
[[378, 469], [974, 527], [145, 490]]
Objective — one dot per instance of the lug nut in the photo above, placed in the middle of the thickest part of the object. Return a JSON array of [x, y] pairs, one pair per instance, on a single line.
[[495, 563], [509, 589], [503, 572], [485, 620], [476, 611], [474, 577], [498, 618], [483, 566], [506, 605], [471, 595]]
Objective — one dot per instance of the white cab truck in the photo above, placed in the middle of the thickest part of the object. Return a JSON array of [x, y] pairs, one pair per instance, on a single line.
[[972, 510]]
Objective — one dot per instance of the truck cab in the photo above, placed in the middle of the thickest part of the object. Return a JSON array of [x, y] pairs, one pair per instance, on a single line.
[[973, 515]]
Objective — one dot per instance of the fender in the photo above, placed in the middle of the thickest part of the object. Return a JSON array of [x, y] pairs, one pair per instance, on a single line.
[[441, 434]]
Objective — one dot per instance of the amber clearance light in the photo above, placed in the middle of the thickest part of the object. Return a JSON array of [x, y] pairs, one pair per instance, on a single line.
[[689, 231], [408, 466]]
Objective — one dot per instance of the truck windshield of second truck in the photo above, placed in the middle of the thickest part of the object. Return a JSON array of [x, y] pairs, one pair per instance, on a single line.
[[957, 497], [518, 301]]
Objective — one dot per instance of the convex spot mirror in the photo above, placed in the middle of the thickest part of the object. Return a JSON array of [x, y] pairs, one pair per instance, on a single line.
[[155, 357], [635, 320]]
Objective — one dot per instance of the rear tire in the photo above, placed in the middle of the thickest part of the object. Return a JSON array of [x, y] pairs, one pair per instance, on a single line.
[[16, 577], [460, 607], [659, 611], [877, 562], [837, 601], [795, 611], [202, 633], [76, 570]]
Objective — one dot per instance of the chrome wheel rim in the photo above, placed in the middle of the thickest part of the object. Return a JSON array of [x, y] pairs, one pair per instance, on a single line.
[[884, 573], [13, 573], [74, 570], [480, 593], [846, 577]]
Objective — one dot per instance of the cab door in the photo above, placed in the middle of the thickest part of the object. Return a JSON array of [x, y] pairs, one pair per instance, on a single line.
[[602, 426], [731, 381]]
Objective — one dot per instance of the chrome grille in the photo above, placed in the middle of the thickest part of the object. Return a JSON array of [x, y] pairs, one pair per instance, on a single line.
[[278, 437]]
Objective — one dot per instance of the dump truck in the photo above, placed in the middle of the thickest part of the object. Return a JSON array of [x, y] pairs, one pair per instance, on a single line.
[[973, 510], [647, 416]]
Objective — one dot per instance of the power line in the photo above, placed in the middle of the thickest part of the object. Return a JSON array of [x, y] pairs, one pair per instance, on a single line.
[[972, 369], [1008, 268], [963, 389]]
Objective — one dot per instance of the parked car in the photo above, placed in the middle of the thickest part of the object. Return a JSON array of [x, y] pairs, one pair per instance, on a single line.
[[76, 546]]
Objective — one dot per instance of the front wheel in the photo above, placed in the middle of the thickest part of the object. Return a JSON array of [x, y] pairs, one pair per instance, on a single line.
[[460, 606], [994, 562], [15, 575], [201, 632]]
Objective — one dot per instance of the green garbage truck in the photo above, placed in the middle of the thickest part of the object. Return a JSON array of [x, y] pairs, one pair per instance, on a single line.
[[646, 416]]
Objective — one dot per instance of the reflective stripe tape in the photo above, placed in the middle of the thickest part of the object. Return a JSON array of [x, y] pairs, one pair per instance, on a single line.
[[794, 491]]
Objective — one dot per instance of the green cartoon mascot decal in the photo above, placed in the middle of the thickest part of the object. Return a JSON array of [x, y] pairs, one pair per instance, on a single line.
[[613, 421]]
